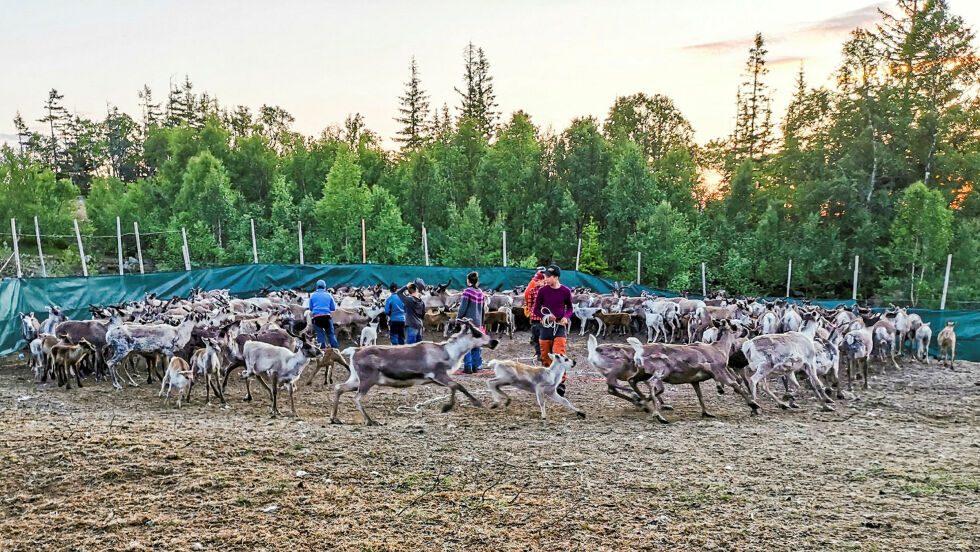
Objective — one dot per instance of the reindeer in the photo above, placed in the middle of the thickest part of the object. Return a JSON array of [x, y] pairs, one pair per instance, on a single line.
[[784, 354], [536, 379], [408, 365], [689, 364], [66, 358], [281, 365], [923, 338], [947, 343], [206, 362]]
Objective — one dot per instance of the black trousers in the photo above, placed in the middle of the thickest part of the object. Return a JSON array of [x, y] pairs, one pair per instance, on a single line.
[[536, 337]]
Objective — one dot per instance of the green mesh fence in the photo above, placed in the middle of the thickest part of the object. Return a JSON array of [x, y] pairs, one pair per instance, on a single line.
[[74, 295]]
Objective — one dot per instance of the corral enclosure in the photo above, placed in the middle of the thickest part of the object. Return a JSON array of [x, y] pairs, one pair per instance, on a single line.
[[93, 469]]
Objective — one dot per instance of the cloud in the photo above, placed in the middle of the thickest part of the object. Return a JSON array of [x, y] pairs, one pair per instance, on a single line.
[[722, 46], [838, 24], [847, 21], [786, 60]]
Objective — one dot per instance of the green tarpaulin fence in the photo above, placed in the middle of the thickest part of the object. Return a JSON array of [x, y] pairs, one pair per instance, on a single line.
[[74, 295]]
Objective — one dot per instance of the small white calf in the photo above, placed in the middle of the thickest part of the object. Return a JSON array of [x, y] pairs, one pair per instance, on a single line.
[[535, 379], [179, 375], [369, 335], [922, 340]]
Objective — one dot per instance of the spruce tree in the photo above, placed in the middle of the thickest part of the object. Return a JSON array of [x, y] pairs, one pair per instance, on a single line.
[[414, 110], [753, 127], [56, 120], [478, 98]]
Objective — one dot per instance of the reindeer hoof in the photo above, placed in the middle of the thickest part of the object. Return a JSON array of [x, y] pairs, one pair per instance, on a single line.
[[661, 419], [371, 422], [721, 390], [827, 408], [247, 398], [666, 407], [335, 421], [707, 415], [580, 415], [446, 408], [495, 405], [784, 406]]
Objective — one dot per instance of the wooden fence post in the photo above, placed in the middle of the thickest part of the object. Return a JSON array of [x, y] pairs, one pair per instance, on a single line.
[[40, 254], [578, 254], [505, 248], [119, 244], [854, 291], [637, 268], [13, 233], [363, 242], [255, 251], [187, 251], [139, 246], [949, 263], [425, 245], [302, 260], [789, 276], [704, 282], [81, 250]]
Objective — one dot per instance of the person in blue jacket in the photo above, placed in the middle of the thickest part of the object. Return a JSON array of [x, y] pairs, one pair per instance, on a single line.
[[321, 307], [395, 309]]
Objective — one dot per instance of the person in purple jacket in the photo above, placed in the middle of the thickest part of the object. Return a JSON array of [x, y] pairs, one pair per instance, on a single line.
[[471, 306], [554, 305]]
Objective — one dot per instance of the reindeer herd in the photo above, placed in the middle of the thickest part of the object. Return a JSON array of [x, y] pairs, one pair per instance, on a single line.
[[743, 344]]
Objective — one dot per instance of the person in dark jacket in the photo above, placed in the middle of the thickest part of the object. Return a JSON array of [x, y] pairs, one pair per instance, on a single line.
[[414, 311], [321, 306], [395, 310], [471, 306]]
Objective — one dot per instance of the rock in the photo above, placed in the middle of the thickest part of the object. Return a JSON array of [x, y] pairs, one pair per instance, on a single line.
[[302, 473], [197, 546], [270, 508]]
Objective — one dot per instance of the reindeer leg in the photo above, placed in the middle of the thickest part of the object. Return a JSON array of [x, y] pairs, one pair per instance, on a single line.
[[357, 400], [350, 385], [539, 395], [704, 410], [445, 380], [496, 392], [563, 401]]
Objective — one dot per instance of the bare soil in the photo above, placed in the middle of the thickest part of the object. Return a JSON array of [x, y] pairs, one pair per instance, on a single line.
[[95, 469]]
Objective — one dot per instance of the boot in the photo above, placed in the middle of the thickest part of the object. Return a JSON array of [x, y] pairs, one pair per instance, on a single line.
[[545, 349], [559, 347]]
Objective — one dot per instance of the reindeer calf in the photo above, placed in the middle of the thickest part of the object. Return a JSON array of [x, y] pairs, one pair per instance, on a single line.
[[67, 357], [947, 343], [621, 320], [369, 335], [536, 379], [179, 375], [328, 360]]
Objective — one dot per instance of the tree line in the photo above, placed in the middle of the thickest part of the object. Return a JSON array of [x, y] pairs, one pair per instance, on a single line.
[[883, 165]]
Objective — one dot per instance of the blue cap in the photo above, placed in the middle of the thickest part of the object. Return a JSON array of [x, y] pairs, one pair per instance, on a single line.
[[320, 284]]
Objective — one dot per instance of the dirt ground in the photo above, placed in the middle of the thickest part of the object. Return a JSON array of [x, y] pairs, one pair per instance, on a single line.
[[95, 469]]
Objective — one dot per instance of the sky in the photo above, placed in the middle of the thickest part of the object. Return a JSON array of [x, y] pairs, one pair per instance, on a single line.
[[556, 60]]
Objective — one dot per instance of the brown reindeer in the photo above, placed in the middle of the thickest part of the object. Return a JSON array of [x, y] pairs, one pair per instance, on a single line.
[[690, 364]]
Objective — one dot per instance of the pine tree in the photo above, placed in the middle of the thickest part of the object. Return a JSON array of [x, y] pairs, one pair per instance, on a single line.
[[414, 109], [753, 127]]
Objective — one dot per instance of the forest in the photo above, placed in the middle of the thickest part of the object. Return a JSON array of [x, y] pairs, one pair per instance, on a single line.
[[884, 165]]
